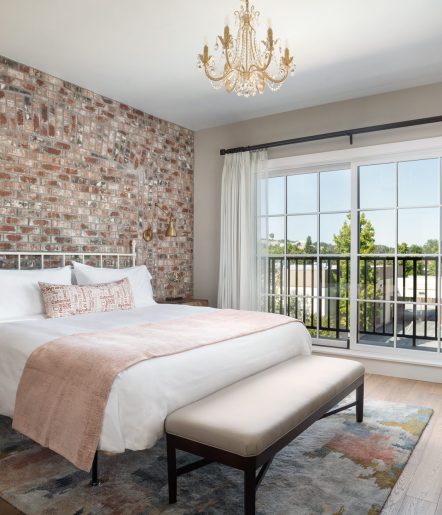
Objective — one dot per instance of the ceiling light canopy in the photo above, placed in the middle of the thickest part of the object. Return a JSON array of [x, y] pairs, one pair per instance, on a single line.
[[243, 64]]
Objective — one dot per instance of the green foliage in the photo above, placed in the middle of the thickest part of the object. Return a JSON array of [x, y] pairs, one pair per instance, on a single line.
[[309, 248]]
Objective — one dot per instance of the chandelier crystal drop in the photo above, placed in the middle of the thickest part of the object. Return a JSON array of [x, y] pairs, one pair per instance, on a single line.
[[243, 64]]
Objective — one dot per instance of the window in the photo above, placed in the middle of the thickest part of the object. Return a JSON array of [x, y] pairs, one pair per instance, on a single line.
[[355, 251]]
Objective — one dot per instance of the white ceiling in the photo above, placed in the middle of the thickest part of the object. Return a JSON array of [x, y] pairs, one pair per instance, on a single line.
[[143, 52]]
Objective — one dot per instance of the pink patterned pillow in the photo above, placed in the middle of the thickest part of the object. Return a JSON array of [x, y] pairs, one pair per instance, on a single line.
[[63, 300]]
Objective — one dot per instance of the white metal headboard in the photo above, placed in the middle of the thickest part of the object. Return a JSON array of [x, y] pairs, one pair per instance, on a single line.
[[66, 255]]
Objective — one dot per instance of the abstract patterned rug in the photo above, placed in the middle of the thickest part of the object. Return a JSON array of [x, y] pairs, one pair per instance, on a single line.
[[336, 467]]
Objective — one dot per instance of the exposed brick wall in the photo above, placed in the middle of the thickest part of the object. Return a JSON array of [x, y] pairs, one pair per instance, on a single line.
[[81, 173]]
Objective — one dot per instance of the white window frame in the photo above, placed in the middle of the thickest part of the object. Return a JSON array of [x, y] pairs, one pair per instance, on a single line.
[[352, 159]]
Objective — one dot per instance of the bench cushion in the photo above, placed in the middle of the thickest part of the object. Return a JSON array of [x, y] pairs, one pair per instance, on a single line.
[[248, 416]]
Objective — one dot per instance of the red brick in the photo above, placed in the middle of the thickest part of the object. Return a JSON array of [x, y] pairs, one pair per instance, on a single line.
[[51, 150], [52, 232], [26, 178], [13, 237], [64, 146], [50, 167]]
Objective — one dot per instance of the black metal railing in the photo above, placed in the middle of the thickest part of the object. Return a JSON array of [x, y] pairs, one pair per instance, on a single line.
[[322, 301]]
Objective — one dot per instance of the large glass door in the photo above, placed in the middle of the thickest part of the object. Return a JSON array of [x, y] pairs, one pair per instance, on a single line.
[[306, 237], [398, 254]]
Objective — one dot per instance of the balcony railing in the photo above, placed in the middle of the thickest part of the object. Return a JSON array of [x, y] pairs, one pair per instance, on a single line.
[[293, 290]]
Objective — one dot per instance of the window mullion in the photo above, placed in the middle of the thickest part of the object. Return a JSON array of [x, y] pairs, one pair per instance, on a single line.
[[354, 230], [318, 264]]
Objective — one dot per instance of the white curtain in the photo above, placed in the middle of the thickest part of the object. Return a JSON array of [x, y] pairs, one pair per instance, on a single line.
[[238, 288]]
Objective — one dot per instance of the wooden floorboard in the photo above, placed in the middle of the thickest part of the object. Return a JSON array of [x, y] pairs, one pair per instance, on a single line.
[[414, 506]]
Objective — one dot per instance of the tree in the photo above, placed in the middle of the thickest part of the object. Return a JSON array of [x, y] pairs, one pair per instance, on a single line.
[[342, 245], [342, 240], [309, 247]]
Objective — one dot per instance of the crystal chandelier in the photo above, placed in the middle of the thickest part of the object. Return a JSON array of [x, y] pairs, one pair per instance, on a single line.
[[243, 64]]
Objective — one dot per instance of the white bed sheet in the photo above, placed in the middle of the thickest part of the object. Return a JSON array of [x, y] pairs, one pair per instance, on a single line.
[[143, 395]]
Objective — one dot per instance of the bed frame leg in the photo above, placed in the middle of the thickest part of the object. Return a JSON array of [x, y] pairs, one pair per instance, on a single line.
[[171, 472], [94, 471], [360, 403]]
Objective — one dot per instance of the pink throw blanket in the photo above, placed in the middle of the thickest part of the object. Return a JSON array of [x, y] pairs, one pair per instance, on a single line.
[[65, 385]]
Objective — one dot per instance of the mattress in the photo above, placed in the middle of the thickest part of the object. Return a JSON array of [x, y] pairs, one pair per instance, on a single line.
[[143, 395]]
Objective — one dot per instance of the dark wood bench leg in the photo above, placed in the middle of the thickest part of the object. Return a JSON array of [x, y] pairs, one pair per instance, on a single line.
[[360, 403], [249, 490], [171, 472]]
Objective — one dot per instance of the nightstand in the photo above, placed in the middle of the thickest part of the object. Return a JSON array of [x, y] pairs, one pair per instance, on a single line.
[[188, 301]]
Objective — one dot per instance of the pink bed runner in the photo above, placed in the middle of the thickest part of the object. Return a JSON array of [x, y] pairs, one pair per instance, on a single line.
[[66, 383]]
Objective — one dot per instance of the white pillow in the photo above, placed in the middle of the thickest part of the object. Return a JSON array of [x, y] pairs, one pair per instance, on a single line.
[[20, 295], [139, 278]]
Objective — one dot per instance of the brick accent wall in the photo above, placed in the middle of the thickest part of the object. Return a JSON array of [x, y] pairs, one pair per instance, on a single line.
[[81, 173]]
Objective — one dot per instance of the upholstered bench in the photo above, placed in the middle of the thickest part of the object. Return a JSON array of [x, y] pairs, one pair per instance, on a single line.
[[244, 425]]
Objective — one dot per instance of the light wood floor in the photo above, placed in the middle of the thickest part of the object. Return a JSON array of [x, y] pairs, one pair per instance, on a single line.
[[419, 489]]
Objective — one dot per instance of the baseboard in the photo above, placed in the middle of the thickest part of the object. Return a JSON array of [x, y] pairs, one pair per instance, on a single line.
[[404, 370]]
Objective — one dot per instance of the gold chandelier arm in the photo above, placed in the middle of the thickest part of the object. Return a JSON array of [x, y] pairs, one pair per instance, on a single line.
[[276, 80], [213, 77]]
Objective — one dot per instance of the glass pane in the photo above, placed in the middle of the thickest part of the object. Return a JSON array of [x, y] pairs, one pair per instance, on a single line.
[[418, 231], [272, 196], [302, 193], [377, 186], [418, 182], [376, 278], [335, 277], [417, 279], [335, 233], [375, 325], [304, 309], [301, 234], [416, 327], [336, 190], [272, 235], [334, 318], [377, 232], [301, 276], [275, 276]]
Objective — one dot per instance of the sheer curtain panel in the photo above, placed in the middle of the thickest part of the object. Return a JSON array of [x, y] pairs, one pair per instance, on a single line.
[[238, 287]]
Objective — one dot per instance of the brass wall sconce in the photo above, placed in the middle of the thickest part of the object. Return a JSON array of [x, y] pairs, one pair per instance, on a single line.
[[170, 231]]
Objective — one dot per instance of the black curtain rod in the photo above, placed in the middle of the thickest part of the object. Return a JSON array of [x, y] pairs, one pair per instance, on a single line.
[[338, 134]]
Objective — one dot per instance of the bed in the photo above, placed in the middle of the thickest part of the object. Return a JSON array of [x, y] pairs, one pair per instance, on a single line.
[[143, 395]]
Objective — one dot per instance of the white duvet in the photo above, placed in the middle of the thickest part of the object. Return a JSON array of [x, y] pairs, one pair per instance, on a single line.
[[143, 395]]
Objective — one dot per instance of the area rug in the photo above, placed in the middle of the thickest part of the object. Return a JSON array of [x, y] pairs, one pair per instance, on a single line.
[[336, 467]]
